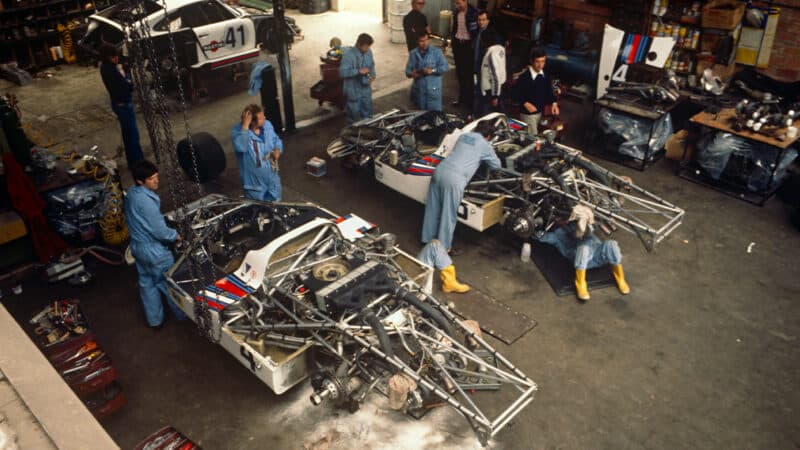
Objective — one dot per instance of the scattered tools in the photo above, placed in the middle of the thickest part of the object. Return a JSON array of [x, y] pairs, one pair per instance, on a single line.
[[765, 116], [71, 347]]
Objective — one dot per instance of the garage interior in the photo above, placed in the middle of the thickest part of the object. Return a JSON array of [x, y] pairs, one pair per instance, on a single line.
[[701, 354]]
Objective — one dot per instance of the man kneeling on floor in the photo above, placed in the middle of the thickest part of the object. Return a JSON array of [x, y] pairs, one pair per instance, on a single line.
[[150, 238], [576, 241], [435, 255]]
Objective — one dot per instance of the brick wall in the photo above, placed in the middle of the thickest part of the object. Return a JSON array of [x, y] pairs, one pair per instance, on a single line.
[[584, 16], [784, 62]]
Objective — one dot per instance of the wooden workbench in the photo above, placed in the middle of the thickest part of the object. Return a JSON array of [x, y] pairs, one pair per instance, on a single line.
[[722, 122], [690, 170]]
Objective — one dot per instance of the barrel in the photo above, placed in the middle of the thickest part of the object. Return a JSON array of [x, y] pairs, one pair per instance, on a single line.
[[431, 11], [444, 22], [314, 6], [397, 12]]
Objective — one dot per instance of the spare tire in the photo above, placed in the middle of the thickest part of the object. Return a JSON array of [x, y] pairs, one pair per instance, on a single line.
[[208, 153]]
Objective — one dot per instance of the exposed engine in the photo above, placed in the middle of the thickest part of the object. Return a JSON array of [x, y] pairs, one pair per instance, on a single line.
[[336, 300], [540, 182]]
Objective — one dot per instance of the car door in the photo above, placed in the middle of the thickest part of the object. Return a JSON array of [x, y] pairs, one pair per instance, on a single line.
[[225, 35]]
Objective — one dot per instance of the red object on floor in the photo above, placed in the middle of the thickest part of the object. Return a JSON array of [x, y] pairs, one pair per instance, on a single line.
[[29, 204], [61, 351], [167, 437], [106, 401], [96, 376]]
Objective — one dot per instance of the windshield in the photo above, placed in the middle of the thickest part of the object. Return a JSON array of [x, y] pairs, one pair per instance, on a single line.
[[125, 11]]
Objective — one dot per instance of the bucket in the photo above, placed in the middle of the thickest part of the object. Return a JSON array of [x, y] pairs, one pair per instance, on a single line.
[[396, 21], [397, 36], [400, 7]]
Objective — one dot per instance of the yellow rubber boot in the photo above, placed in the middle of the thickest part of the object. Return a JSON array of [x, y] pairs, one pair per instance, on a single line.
[[449, 282], [619, 275], [582, 290]]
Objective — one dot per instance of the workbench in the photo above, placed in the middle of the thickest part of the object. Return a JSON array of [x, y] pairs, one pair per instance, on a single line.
[[721, 122], [636, 107], [59, 177]]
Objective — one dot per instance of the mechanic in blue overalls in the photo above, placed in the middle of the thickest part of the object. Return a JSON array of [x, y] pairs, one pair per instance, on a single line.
[[451, 178], [357, 71], [426, 65], [150, 238], [257, 149], [577, 242], [435, 255]]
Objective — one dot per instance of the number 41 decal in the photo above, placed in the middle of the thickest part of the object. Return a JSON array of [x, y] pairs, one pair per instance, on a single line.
[[230, 37]]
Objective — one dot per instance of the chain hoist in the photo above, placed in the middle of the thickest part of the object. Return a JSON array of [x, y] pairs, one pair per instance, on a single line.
[[144, 62]]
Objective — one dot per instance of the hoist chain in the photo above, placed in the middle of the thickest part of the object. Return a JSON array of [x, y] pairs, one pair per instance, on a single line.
[[159, 128]]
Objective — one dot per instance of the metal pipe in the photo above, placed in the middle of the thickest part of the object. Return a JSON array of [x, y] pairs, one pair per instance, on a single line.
[[499, 426], [290, 271], [498, 181], [522, 399], [473, 358], [278, 10], [370, 305], [481, 341], [452, 380]]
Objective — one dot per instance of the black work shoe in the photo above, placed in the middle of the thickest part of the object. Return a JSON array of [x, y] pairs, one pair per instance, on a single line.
[[454, 251]]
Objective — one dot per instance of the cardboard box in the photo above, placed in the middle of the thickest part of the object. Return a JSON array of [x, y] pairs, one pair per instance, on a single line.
[[723, 71], [677, 149], [755, 45], [11, 226], [722, 14], [711, 39]]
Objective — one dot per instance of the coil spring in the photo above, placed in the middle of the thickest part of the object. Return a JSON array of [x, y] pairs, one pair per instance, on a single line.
[[67, 46]]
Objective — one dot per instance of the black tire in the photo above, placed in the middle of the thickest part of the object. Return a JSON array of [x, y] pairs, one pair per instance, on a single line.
[[209, 154]]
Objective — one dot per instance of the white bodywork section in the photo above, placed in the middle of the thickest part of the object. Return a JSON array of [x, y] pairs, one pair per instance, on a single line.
[[611, 68], [416, 187], [217, 42]]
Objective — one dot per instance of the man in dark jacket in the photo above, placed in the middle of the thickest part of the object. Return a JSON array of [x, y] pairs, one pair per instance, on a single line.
[[464, 28], [415, 23], [534, 91], [120, 88], [486, 37]]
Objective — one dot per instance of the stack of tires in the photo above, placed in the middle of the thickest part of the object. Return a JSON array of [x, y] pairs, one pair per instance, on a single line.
[[313, 6]]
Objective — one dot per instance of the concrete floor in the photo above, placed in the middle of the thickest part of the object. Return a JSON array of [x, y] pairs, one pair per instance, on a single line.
[[702, 354]]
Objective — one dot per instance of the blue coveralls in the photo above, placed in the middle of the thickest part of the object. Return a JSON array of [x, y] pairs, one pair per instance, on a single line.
[[426, 92], [357, 87], [448, 183], [435, 255], [149, 238], [587, 253], [259, 180]]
